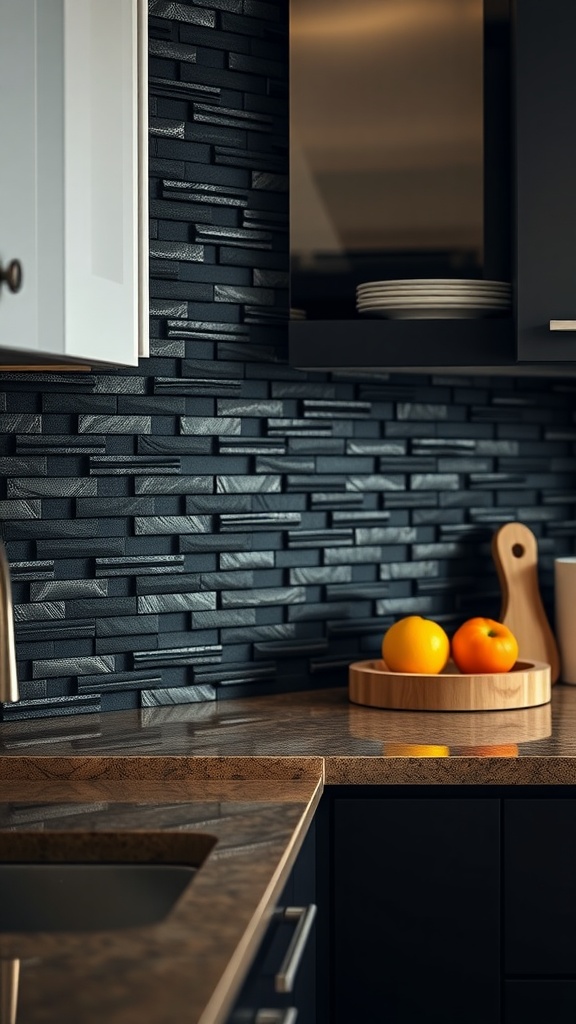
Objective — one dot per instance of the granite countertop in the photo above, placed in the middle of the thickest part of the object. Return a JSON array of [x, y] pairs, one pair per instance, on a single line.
[[248, 773], [191, 965], [356, 745]]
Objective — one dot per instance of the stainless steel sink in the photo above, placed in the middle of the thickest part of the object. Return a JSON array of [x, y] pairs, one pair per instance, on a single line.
[[87, 897]]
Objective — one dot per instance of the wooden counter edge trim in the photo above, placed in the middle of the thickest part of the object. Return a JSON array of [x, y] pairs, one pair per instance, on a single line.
[[535, 770], [29, 768], [217, 1009]]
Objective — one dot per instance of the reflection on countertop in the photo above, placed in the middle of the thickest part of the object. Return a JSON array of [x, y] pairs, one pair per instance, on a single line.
[[282, 732]]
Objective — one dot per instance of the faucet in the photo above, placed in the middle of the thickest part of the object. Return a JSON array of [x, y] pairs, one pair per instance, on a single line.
[[8, 675]]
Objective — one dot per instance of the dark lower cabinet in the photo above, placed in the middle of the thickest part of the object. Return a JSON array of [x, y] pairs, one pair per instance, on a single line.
[[540, 1002], [281, 985], [416, 925], [540, 886]]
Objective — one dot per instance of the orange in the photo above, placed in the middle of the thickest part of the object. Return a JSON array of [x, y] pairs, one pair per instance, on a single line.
[[415, 750], [494, 750], [484, 645], [414, 644]]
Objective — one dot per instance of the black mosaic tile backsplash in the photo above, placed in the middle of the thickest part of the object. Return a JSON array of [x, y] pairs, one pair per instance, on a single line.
[[214, 523]]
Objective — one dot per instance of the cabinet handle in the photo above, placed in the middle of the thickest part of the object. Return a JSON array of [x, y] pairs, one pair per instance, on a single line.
[[12, 275], [304, 917], [287, 1016], [563, 325]]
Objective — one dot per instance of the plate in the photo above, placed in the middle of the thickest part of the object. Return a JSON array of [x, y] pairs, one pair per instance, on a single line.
[[430, 312], [526, 685], [431, 300], [444, 282]]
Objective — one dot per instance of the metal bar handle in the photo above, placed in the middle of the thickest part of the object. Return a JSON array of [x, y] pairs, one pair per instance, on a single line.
[[287, 1016], [563, 325], [304, 916]]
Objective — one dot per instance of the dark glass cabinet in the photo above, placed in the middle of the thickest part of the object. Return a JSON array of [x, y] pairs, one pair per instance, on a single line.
[[528, 165]]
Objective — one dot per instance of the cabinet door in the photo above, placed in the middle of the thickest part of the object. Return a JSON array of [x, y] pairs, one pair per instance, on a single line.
[[545, 93], [540, 886], [417, 906], [69, 172], [261, 990], [540, 1002]]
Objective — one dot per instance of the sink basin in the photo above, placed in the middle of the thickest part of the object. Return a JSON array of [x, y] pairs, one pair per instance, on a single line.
[[85, 882], [87, 897]]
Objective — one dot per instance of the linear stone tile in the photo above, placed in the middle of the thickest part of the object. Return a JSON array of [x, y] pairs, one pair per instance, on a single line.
[[46, 610], [247, 447], [263, 596], [50, 528], [107, 507], [243, 634], [127, 625], [20, 423], [181, 583], [190, 386], [53, 487], [210, 425], [230, 674], [138, 564], [258, 520], [352, 556], [223, 618], [133, 465], [114, 424], [247, 560], [380, 482], [72, 667], [84, 607], [20, 510], [180, 12], [60, 590], [114, 384], [213, 542], [22, 572], [319, 538], [157, 525], [75, 403], [315, 575], [105, 547], [362, 591], [177, 695], [60, 444], [163, 603], [52, 707], [174, 445], [174, 485], [119, 681], [52, 629], [15, 466], [203, 654], [248, 484]]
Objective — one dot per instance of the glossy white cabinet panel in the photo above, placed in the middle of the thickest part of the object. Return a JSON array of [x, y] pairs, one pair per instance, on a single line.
[[72, 153]]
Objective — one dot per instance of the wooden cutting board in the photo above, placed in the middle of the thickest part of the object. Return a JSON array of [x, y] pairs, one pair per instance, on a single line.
[[515, 553]]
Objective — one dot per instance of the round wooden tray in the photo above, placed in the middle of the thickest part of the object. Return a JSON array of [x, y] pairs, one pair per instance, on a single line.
[[526, 685]]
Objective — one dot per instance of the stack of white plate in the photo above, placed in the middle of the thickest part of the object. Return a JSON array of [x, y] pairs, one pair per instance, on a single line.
[[427, 298]]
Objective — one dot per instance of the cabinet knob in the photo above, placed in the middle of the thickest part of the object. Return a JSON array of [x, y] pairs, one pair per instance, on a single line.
[[12, 275]]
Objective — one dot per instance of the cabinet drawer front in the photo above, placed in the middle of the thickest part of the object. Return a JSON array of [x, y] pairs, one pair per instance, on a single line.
[[540, 886], [540, 1002]]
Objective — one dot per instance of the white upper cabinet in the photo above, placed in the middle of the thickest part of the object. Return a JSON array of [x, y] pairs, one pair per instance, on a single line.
[[73, 180]]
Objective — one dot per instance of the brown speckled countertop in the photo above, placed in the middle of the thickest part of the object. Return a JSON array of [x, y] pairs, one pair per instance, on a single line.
[[248, 773], [263, 735]]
